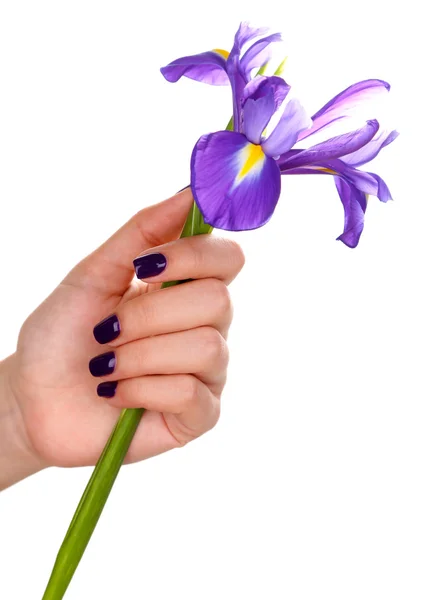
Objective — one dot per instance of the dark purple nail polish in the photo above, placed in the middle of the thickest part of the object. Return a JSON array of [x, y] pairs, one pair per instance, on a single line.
[[107, 330], [107, 389], [102, 365], [150, 265]]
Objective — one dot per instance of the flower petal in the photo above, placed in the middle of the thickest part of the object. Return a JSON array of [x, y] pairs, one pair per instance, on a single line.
[[368, 183], [260, 86], [371, 149], [293, 120], [258, 54], [235, 185], [257, 114], [208, 67], [246, 33], [237, 77], [355, 204], [338, 107], [332, 148]]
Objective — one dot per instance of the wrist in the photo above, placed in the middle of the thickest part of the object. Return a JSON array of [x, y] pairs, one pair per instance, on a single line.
[[17, 461]]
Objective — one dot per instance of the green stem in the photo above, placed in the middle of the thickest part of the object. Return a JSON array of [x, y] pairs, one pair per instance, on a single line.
[[101, 482]]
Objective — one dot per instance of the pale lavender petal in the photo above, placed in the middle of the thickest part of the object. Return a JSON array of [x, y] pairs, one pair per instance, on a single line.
[[332, 148], [383, 193], [257, 114], [258, 54], [293, 120], [260, 87], [371, 149], [208, 67], [246, 33], [235, 185], [340, 105], [355, 204]]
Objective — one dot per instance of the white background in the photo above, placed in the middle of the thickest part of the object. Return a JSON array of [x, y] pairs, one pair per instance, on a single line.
[[311, 485]]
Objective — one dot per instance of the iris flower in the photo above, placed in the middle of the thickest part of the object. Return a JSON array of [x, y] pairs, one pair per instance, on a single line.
[[236, 175]]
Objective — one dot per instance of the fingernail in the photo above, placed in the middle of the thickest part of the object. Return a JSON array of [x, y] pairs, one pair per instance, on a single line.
[[107, 389], [150, 265], [107, 330], [102, 365]]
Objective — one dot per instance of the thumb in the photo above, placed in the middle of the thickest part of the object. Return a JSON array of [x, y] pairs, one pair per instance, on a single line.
[[109, 269]]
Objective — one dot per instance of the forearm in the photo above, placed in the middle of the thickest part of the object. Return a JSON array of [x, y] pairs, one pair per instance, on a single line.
[[16, 458]]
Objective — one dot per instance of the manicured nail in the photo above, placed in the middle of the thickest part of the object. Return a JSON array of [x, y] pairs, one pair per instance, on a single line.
[[107, 389], [150, 265], [102, 365], [107, 330]]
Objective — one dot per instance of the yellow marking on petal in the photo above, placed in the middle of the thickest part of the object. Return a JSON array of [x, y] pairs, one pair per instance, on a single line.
[[251, 157], [223, 53], [325, 170]]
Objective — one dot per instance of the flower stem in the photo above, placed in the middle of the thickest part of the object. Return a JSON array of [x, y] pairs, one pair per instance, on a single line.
[[106, 470]]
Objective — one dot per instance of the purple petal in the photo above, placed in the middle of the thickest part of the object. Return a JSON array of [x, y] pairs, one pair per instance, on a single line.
[[355, 204], [235, 185], [338, 107], [246, 33], [258, 54], [257, 114], [368, 183], [208, 67], [332, 148], [260, 86], [237, 77], [371, 149], [293, 120]]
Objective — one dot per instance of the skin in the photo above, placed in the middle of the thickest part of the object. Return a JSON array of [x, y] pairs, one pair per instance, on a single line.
[[171, 354]]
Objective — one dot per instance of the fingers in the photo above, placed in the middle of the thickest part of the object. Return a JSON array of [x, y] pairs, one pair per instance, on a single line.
[[187, 306], [202, 352], [197, 257], [189, 408], [109, 269]]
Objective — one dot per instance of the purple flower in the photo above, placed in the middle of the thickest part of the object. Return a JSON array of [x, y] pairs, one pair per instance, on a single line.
[[219, 67], [236, 175]]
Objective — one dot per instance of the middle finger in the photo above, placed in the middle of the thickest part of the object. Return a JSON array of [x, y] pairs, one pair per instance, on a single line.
[[187, 306]]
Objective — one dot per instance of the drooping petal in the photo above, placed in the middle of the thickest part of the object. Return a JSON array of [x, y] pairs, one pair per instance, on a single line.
[[332, 148], [257, 114], [261, 86], [368, 183], [293, 120], [371, 149], [235, 185], [340, 105], [355, 204], [258, 54], [208, 67]]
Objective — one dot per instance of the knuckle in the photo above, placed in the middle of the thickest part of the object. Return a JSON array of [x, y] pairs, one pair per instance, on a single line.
[[220, 296], [213, 346], [189, 390], [237, 253]]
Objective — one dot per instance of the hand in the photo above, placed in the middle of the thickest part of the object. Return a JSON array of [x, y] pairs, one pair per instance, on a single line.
[[165, 348]]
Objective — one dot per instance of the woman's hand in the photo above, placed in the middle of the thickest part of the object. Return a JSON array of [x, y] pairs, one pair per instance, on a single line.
[[166, 349]]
